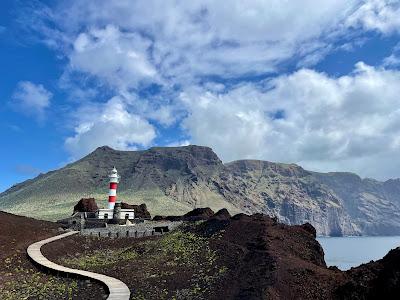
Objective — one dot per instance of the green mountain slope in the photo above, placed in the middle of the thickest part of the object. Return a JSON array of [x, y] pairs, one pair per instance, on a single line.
[[175, 180]]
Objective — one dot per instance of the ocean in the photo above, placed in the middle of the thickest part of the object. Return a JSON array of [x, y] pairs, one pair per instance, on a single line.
[[347, 252]]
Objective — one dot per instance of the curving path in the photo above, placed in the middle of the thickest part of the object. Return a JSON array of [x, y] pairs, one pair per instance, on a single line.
[[117, 289]]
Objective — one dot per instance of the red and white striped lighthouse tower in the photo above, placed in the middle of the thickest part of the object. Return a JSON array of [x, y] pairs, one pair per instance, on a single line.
[[112, 195]]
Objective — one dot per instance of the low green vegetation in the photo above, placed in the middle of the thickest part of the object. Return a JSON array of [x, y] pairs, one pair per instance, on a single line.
[[21, 281], [179, 265], [99, 258]]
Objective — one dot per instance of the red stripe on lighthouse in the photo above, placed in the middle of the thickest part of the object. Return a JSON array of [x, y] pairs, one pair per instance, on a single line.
[[113, 185], [112, 198]]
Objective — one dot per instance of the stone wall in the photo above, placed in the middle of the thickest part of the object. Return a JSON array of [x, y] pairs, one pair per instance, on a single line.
[[136, 230]]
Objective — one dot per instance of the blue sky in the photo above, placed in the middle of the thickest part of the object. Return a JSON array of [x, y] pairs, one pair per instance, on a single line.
[[272, 80]]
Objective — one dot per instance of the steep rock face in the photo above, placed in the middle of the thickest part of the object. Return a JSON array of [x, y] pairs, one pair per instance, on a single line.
[[286, 191], [371, 204], [173, 181]]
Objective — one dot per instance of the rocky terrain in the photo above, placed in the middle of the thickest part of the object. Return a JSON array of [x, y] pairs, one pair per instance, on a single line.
[[172, 181], [20, 278], [223, 257], [220, 257]]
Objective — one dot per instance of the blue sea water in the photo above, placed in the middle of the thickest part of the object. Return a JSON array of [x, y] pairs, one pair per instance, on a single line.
[[347, 252]]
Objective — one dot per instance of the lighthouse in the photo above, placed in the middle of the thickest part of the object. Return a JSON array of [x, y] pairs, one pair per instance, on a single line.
[[112, 195]]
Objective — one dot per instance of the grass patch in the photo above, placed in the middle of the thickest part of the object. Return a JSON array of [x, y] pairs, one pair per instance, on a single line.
[[100, 258], [178, 265], [23, 282]]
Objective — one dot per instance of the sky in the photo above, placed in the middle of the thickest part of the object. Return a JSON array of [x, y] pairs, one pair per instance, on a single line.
[[283, 81]]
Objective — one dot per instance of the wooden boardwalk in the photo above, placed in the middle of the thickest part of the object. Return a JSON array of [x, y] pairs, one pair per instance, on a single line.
[[117, 289]]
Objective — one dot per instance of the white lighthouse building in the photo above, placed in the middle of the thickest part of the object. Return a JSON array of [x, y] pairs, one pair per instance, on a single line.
[[112, 194], [114, 210]]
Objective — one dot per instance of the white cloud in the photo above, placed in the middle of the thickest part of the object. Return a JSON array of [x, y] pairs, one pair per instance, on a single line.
[[393, 60], [117, 58], [125, 42], [109, 124], [324, 123], [31, 99], [380, 15], [179, 143]]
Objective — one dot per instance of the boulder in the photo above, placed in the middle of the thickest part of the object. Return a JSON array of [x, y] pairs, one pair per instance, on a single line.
[[222, 214], [86, 205], [199, 214], [159, 218], [309, 228], [168, 218], [140, 210]]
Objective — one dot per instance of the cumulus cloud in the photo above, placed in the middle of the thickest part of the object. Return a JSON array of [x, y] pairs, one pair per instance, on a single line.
[[31, 99], [380, 15], [321, 122], [109, 124], [118, 58], [179, 143], [128, 41], [393, 60]]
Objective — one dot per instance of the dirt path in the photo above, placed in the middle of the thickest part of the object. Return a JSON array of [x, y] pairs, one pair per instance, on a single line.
[[117, 289]]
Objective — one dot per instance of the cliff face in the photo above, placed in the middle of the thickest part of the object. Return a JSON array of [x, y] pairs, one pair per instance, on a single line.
[[177, 179], [374, 206], [289, 192]]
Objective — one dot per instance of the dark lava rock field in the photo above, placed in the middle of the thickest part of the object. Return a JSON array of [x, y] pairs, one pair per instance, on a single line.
[[223, 257]]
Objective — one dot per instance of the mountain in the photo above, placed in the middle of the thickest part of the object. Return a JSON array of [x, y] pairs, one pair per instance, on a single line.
[[174, 180]]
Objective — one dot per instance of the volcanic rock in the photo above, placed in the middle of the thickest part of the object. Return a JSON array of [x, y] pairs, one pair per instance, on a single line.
[[309, 228], [199, 214], [374, 280], [86, 205], [222, 214], [140, 210], [256, 258]]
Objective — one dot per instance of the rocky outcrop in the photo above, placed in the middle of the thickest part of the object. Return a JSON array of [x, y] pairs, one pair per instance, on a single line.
[[375, 280], [86, 205], [199, 213], [277, 261], [373, 205], [140, 210], [171, 181], [285, 191], [222, 214], [90, 205]]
